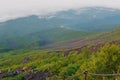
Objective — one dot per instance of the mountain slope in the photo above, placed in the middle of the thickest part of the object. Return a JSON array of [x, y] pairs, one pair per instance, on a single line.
[[113, 35], [60, 66], [40, 38], [34, 31]]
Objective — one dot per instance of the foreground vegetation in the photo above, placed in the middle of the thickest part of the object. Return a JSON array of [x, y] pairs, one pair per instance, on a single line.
[[106, 60]]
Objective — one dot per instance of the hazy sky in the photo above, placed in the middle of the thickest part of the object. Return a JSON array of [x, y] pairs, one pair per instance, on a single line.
[[10, 9]]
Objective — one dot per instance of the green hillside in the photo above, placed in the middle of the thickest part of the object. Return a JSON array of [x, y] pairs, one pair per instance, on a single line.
[[111, 35], [67, 64], [40, 38], [72, 66]]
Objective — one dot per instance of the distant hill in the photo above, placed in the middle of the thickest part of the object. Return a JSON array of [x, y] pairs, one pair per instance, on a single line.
[[36, 31], [92, 19]]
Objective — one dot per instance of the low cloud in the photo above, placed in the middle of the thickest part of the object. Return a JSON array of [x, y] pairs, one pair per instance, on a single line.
[[11, 9]]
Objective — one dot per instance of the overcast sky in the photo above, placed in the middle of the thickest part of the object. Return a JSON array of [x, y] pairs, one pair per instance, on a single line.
[[10, 9]]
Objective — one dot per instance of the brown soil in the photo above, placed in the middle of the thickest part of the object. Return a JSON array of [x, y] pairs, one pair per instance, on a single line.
[[37, 76]]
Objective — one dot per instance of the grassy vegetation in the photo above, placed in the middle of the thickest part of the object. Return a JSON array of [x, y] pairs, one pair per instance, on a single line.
[[106, 60], [106, 36]]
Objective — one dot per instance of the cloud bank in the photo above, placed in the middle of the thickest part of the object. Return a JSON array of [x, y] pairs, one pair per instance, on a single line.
[[11, 9]]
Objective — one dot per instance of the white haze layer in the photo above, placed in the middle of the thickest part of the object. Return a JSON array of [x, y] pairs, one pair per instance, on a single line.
[[11, 9]]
